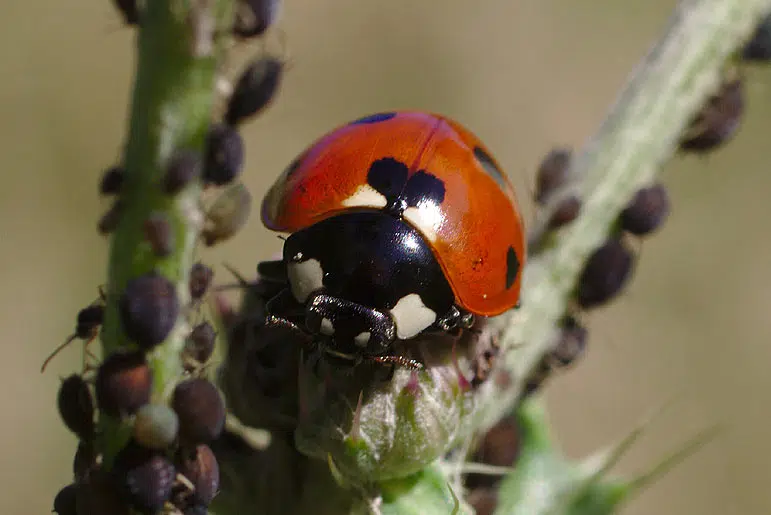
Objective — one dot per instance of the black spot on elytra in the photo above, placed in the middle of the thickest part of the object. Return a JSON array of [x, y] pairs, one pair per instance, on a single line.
[[488, 163], [388, 176], [422, 186], [374, 118], [512, 267]]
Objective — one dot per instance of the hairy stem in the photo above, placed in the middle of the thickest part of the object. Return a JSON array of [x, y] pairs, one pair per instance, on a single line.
[[173, 95], [641, 131]]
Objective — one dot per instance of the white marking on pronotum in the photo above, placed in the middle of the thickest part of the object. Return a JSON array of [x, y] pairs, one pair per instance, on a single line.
[[426, 217], [327, 327], [362, 339], [305, 278], [366, 196], [411, 316]]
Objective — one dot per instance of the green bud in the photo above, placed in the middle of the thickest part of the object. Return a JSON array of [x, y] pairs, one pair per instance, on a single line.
[[372, 427]]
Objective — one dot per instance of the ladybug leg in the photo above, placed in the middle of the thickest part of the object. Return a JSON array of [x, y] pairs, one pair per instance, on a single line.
[[455, 319], [396, 361], [284, 305]]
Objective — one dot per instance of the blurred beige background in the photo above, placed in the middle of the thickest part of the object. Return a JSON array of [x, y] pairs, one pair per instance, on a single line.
[[524, 75]]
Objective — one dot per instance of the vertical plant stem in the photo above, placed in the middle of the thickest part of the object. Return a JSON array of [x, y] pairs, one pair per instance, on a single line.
[[177, 56], [641, 131]]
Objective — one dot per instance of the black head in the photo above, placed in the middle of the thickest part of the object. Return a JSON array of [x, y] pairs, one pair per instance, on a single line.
[[377, 267]]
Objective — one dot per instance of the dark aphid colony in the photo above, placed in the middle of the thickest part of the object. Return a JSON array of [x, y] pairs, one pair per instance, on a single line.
[[499, 447], [227, 215], [199, 465], [112, 181], [255, 89], [87, 325], [758, 48], [719, 119], [551, 174], [145, 477], [184, 167], [129, 10], [200, 409], [254, 17], [224, 155], [123, 383], [85, 461], [567, 211], [647, 211], [200, 280], [76, 406], [158, 234], [199, 346], [155, 426], [571, 342], [65, 502], [606, 273], [111, 218], [149, 309]]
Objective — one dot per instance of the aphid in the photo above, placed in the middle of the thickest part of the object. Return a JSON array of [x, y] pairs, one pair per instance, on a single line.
[[76, 406], [183, 167], [129, 11], [758, 48], [483, 500], [200, 467], [571, 343], [552, 173], [255, 89], [112, 181], [224, 155], [200, 280], [65, 502], [567, 211], [199, 345], [148, 309], [227, 215], [85, 461], [155, 426], [111, 218], [719, 120], [499, 447], [647, 211], [99, 495], [159, 234], [605, 275], [123, 383], [146, 477], [200, 409], [253, 17], [399, 223], [87, 325]]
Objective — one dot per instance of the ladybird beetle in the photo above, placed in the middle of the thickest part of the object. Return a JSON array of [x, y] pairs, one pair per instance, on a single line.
[[399, 223]]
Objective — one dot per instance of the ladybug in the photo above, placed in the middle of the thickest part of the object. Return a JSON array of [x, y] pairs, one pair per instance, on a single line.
[[399, 223]]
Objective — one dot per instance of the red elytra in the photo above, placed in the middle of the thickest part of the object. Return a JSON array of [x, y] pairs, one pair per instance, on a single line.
[[477, 234]]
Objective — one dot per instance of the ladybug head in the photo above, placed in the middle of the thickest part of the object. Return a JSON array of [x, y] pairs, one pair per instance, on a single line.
[[365, 279]]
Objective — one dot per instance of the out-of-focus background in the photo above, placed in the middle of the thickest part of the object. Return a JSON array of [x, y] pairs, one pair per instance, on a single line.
[[524, 75]]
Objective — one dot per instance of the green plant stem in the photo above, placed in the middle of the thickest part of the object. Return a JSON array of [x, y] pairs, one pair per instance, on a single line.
[[173, 96], [640, 133]]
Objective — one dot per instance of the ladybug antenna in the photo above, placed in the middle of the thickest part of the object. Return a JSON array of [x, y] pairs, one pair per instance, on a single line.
[[56, 351], [281, 237], [240, 278]]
